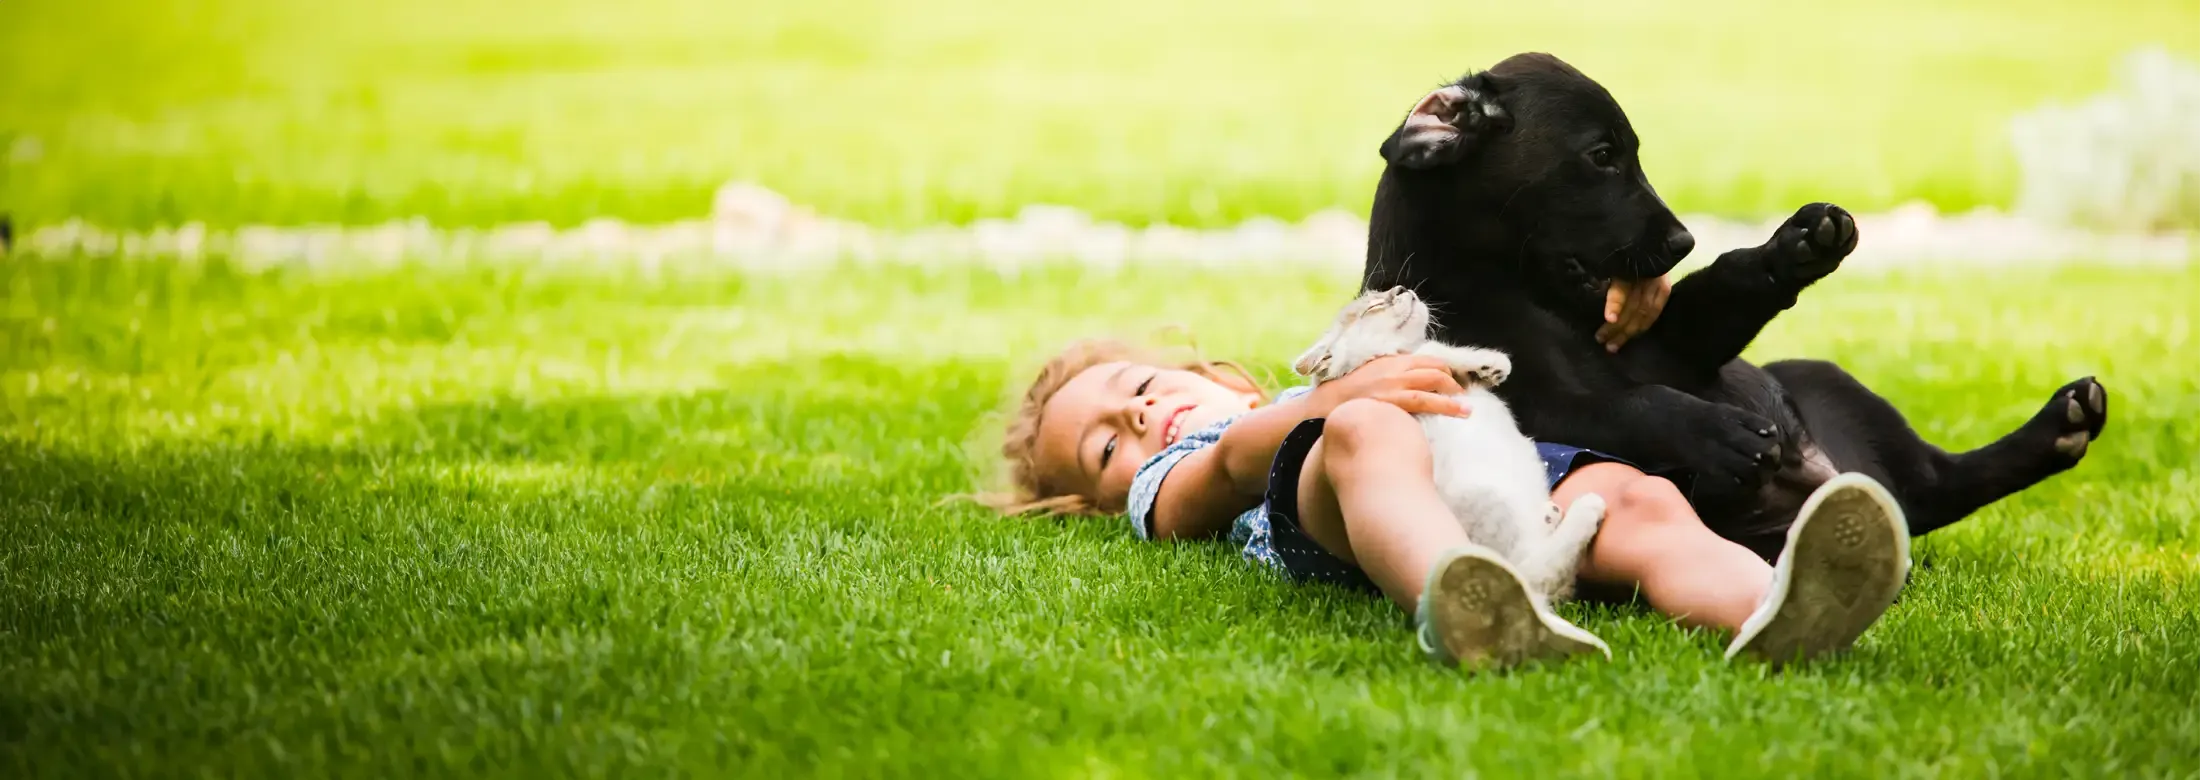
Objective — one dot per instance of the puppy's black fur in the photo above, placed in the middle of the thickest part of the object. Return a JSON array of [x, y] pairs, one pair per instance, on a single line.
[[1513, 198]]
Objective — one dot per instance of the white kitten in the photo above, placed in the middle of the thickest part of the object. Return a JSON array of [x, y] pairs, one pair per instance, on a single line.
[[1486, 471]]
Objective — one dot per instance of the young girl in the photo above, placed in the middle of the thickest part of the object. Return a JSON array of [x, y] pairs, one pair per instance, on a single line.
[[1335, 484]]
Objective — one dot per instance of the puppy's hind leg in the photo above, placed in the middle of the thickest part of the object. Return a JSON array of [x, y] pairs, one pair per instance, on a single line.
[[1860, 431], [1556, 561]]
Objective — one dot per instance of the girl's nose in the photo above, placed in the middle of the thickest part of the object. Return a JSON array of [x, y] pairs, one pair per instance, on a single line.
[[1139, 405]]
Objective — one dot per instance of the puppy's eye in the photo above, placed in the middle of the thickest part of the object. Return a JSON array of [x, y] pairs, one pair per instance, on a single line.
[[1601, 157]]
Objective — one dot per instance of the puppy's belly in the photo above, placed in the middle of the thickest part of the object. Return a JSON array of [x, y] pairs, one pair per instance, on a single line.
[[1783, 495]]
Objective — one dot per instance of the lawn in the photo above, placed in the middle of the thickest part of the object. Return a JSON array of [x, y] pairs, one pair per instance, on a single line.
[[132, 113], [499, 520], [465, 516]]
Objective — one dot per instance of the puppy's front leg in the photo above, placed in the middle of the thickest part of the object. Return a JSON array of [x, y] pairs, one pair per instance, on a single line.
[[1715, 312], [1471, 365]]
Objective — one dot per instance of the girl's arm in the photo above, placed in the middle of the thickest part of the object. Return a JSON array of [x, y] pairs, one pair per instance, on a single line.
[[1210, 488]]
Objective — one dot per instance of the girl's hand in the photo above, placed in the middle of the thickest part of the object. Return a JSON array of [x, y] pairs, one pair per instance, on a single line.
[[1629, 309], [1418, 384]]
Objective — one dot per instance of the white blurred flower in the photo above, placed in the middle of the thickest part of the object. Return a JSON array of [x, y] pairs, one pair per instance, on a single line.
[[2128, 159]]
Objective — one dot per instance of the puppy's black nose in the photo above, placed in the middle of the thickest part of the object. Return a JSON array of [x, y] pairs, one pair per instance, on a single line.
[[1679, 243]]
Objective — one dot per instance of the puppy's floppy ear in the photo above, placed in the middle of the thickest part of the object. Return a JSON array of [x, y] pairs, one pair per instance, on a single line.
[[1444, 126]]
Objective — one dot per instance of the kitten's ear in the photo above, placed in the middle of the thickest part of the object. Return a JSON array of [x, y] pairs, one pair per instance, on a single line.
[[1445, 125]]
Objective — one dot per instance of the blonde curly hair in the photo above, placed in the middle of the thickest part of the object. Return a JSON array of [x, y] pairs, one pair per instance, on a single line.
[[1028, 492]]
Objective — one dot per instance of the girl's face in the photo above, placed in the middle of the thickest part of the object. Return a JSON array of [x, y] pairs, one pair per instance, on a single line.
[[1104, 422]]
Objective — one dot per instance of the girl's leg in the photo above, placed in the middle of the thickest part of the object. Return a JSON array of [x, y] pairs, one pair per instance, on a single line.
[[1653, 540], [1846, 557], [1367, 493]]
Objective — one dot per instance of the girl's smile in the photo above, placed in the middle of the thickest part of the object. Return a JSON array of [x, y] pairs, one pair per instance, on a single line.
[[1110, 418]]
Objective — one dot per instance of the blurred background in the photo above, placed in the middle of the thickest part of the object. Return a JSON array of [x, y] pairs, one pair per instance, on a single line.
[[129, 113]]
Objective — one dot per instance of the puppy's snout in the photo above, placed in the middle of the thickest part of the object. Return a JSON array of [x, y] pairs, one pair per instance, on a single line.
[[1679, 242]]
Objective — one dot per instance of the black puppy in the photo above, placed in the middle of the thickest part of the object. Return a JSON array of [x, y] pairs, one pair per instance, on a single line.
[[1511, 200]]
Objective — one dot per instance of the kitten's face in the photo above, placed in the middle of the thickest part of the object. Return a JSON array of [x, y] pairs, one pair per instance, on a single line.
[[1374, 325], [1393, 314]]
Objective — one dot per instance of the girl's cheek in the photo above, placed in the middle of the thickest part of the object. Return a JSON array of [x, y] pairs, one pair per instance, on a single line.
[[1120, 483]]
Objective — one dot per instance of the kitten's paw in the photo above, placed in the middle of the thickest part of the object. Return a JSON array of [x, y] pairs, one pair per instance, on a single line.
[[1581, 523], [1472, 364], [1317, 364], [1492, 370]]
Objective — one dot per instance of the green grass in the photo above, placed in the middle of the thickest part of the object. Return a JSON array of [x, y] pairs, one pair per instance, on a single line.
[[502, 521], [488, 519], [133, 113]]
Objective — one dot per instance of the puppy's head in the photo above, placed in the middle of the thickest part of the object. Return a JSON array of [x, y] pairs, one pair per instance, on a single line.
[[1375, 324], [1536, 158]]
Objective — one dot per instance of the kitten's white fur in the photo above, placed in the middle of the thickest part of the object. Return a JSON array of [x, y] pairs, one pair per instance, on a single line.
[[1486, 470]]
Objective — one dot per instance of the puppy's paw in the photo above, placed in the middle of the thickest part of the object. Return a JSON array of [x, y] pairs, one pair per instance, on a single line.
[[1810, 245], [2074, 417], [1737, 451]]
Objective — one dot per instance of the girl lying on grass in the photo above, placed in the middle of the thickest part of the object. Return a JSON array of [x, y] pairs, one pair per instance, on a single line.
[[1335, 484]]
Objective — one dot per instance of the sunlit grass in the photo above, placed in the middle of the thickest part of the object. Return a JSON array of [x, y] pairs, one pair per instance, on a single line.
[[627, 519], [443, 520]]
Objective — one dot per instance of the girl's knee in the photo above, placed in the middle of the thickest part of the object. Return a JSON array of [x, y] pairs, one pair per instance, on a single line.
[[1361, 423], [1648, 504], [1362, 434], [1648, 526]]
